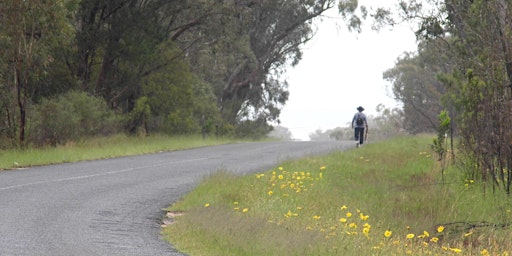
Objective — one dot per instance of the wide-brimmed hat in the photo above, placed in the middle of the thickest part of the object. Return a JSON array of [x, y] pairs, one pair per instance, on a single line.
[[360, 108]]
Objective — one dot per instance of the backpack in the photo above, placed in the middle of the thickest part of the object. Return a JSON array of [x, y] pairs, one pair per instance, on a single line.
[[359, 120]]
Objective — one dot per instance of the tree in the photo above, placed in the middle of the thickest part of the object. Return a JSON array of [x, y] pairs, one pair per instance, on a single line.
[[281, 132], [248, 52], [30, 33], [415, 84], [477, 37]]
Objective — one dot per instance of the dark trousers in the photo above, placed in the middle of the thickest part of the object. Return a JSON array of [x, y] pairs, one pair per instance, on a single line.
[[359, 134]]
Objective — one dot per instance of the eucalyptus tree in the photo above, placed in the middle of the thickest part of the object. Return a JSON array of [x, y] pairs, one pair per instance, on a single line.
[[483, 85], [128, 52], [415, 84], [477, 39], [246, 47], [31, 32]]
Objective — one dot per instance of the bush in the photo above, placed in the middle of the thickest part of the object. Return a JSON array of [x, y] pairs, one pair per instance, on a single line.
[[71, 116], [254, 129]]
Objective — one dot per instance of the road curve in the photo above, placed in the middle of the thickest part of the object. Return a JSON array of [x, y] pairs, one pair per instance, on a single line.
[[114, 206]]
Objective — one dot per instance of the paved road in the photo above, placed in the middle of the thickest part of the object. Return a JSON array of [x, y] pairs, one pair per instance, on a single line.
[[114, 206]]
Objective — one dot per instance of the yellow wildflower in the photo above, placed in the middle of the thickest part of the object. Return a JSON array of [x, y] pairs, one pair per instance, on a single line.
[[434, 239], [425, 234], [206, 205], [343, 220], [270, 192], [410, 236], [344, 207], [245, 210], [323, 168], [366, 231], [349, 214], [456, 250], [388, 233], [484, 252], [440, 229], [316, 217]]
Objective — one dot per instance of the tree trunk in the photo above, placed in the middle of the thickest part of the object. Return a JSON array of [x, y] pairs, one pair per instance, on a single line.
[[505, 33], [21, 102]]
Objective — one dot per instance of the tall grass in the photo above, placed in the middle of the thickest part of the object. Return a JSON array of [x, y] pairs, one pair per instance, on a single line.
[[98, 148], [383, 199]]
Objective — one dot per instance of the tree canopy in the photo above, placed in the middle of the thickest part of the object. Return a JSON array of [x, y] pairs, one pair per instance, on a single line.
[[181, 66]]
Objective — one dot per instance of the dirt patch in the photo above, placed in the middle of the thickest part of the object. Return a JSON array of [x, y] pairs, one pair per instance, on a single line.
[[169, 218]]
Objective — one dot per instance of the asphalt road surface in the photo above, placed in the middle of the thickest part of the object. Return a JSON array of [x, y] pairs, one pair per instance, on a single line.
[[115, 206]]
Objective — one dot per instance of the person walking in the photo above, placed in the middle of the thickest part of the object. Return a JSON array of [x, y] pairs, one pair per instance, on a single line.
[[359, 124]]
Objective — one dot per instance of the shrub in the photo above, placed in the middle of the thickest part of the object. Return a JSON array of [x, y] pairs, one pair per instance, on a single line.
[[71, 116]]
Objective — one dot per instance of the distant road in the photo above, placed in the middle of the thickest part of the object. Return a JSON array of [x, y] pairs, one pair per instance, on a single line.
[[114, 206]]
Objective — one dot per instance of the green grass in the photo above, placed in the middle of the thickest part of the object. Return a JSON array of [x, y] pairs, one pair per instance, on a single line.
[[115, 146], [344, 204]]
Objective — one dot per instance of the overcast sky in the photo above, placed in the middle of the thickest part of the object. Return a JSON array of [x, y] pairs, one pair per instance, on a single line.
[[340, 71]]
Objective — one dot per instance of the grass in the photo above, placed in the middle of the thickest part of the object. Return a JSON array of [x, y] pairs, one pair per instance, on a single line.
[[98, 148], [386, 198]]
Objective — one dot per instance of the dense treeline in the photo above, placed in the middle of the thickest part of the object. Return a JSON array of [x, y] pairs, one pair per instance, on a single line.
[[71, 69]]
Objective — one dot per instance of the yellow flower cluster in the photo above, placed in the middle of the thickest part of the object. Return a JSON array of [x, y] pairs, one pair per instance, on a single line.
[[285, 181], [347, 222]]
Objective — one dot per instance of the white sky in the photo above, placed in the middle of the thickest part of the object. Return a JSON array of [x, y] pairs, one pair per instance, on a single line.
[[339, 71]]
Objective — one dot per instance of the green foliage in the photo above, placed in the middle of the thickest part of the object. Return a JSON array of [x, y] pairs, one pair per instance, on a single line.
[[348, 10], [414, 84], [137, 119], [245, 64], [439, 143], [8, 117], [71, 117], [225, 129], [180, 103], [257, 129], [465, 45], [200, 66], [31, 32]]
